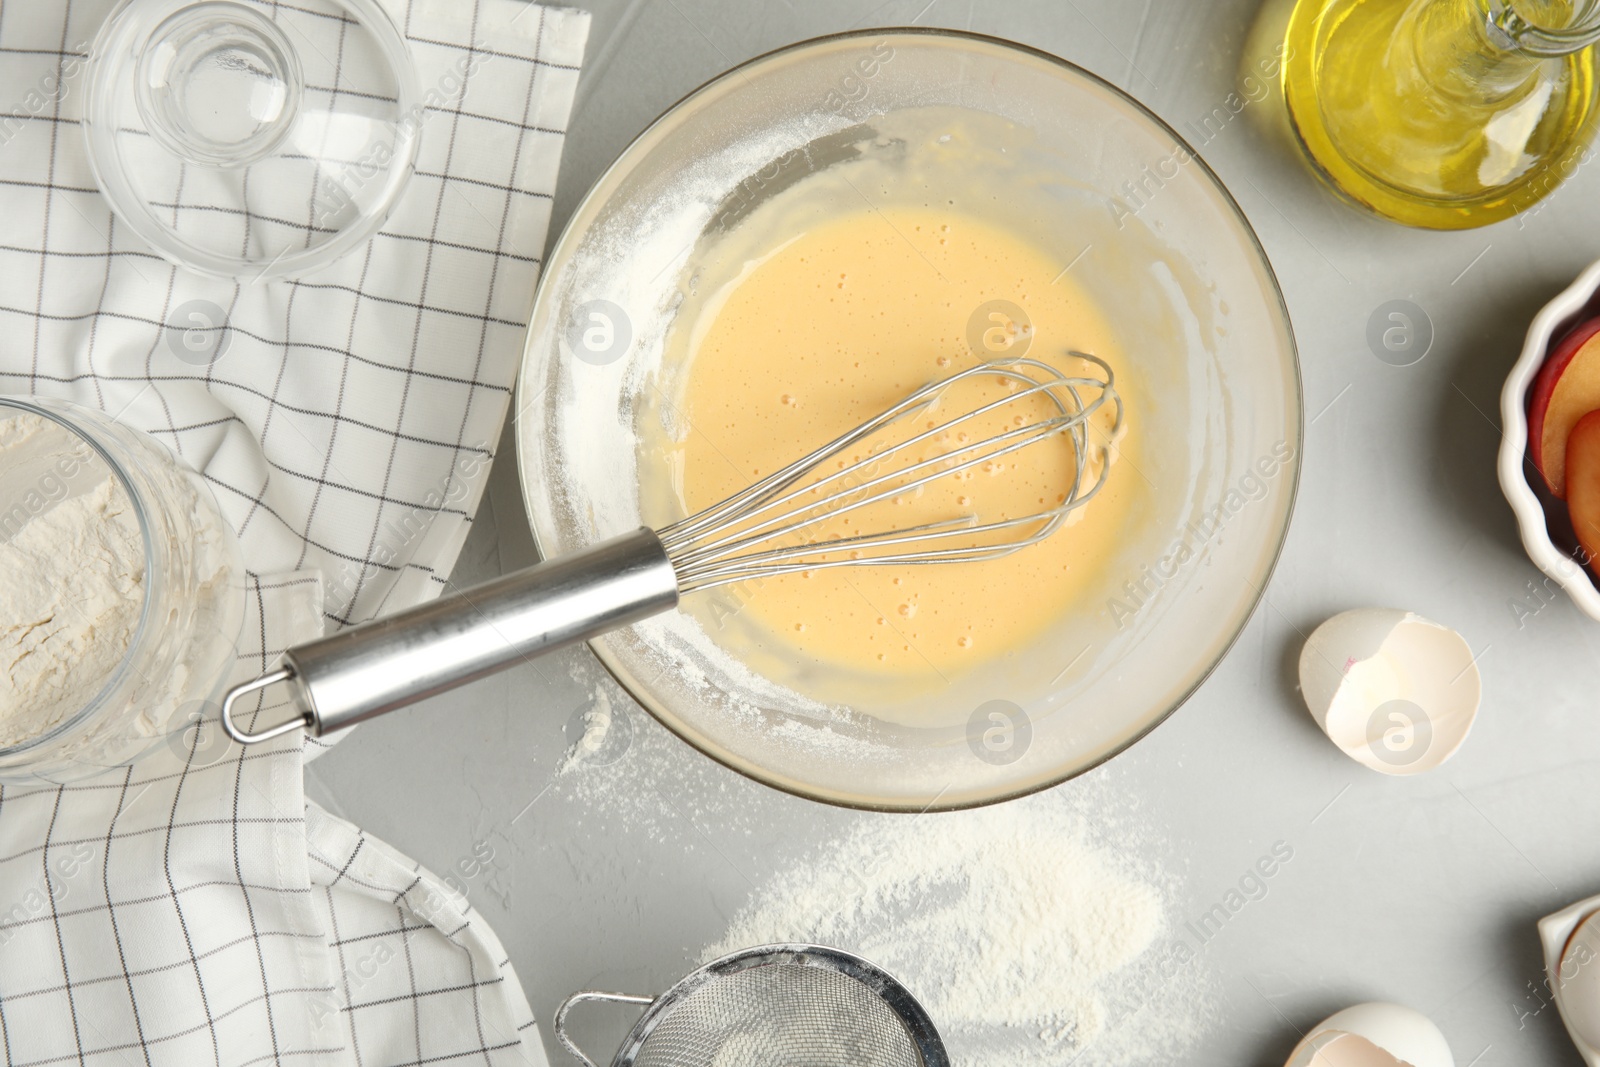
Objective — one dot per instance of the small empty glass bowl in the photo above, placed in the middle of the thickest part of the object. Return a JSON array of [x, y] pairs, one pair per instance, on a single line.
[[155, 628], [247, 138]]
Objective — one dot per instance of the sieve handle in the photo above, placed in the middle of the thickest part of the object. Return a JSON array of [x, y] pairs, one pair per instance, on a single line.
[[591, 996], [391, 662]]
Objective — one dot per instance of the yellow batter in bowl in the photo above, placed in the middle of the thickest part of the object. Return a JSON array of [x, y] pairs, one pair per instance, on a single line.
[[838, 323]]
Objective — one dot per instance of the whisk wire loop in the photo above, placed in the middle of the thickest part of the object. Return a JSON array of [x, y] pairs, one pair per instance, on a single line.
[[771, 527]]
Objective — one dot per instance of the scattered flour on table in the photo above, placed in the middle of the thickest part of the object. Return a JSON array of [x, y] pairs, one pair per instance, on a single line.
[[597, 720], [71, 592], [646, 781], [1032, 931], [1026, 930]]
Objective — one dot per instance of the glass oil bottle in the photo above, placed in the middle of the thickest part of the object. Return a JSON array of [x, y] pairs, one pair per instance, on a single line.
[[1445, 114]]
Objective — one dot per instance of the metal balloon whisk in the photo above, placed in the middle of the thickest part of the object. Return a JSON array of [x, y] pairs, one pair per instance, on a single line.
[[787, 522], [734, 540]]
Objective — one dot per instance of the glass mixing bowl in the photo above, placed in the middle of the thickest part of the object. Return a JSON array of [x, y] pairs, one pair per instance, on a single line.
[[1146, 228]]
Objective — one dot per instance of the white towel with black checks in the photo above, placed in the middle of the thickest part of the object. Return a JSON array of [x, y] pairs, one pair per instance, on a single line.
[[194, 909]]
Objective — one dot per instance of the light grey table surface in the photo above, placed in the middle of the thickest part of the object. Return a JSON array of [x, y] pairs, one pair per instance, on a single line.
[[1421, 890]]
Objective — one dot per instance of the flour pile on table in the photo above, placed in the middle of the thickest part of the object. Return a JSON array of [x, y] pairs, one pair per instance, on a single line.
[[591, 744], [1028, 939]]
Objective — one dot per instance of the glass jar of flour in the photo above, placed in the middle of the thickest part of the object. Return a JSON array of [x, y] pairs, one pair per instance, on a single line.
[[121, 592]]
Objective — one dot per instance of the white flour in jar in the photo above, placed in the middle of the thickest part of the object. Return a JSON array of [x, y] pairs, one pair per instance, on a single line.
[[72, 576]]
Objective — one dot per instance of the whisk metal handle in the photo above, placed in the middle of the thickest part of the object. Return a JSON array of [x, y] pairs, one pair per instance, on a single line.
[[391, 662]]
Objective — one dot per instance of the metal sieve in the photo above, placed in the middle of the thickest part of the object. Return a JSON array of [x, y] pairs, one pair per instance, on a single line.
[[775, 1006]]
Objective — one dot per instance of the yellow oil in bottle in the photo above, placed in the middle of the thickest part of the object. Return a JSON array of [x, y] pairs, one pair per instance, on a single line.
[[1420, 111]]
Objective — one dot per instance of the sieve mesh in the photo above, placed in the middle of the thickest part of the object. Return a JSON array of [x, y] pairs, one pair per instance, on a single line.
[[779, 1015]]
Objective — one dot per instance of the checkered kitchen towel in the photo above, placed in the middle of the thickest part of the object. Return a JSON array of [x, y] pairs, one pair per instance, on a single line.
[[194, 909]]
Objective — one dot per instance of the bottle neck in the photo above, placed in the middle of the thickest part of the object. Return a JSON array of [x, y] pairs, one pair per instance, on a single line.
[[1542, 28], [1478, 50]]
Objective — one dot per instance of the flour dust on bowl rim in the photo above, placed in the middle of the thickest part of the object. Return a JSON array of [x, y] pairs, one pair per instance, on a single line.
[[1146, 228]]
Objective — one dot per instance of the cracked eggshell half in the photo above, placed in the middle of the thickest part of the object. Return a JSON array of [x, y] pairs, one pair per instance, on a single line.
[[1373, 1035], [1571, 939], [1395, 692]]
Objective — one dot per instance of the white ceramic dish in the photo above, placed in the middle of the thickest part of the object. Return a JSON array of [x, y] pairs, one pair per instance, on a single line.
[[1578, 301]]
